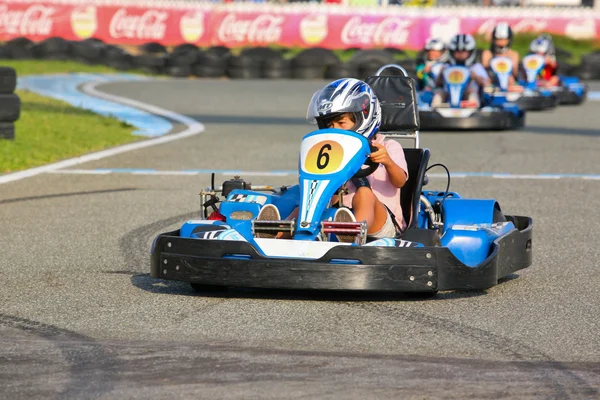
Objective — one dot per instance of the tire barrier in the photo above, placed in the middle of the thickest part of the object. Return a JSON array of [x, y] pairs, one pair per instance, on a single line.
[[188, 60], [10, 104]]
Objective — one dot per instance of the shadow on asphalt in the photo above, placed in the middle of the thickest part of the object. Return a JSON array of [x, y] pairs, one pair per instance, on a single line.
[[159, 286]]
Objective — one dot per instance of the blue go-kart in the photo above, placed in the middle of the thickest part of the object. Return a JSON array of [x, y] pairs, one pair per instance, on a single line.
[[570, 91], [491, 114], [450, 242], [528, 97]]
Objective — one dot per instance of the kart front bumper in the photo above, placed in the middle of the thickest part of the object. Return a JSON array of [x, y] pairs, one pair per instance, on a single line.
[[568, 97], [387, 269], [537, 103], [497, 120]]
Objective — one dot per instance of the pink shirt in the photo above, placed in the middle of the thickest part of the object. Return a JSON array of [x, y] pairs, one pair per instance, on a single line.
[[387, 193]]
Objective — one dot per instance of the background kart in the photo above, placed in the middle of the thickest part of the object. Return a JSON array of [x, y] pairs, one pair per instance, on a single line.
[[571, 91], [493, 113], [450, 242], [527, 96]]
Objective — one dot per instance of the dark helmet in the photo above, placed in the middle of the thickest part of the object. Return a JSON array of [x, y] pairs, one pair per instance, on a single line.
[[501, 31], [462, 42]]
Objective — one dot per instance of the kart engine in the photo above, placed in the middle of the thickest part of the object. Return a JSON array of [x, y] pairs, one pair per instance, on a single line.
[[235, 183]]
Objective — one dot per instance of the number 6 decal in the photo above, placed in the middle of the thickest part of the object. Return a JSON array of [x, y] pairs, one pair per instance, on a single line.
[[324, 157]]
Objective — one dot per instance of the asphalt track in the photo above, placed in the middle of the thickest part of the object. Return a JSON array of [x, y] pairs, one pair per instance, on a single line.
[[81, 318]]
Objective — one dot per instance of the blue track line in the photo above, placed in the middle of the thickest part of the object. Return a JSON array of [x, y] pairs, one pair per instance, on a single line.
[[151, 171], [65, 87]]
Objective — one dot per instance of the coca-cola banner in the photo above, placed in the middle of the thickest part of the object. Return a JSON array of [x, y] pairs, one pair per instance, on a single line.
[[233, 26]]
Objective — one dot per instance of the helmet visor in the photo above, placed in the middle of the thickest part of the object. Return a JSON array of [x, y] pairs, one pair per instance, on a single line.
[[332, 100]]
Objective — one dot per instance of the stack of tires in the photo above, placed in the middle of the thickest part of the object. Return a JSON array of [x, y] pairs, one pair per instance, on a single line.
[[589, 69], [10, 104]]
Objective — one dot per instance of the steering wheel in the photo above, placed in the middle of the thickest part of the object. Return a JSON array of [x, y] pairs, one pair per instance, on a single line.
[[371, 166]]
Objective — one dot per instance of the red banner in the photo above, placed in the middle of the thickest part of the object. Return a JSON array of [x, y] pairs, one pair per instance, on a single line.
[[222, 25]]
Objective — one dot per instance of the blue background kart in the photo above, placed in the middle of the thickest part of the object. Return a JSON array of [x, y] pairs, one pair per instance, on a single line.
[[450, 242], [494, 113]]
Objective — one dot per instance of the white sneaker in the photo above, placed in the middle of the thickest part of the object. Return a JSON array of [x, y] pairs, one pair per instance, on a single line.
[[268, 212], [344, 214]]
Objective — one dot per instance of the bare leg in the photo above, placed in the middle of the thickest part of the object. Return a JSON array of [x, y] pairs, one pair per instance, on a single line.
[[368, 208]]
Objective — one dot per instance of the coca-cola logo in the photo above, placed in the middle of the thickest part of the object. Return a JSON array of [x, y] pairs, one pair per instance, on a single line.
[[35, 20], [530, 25], [150, 25], [264, 28], [391, 31]]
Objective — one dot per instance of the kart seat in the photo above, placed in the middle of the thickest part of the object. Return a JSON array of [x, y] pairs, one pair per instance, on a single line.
[[410, 194], [397, 95]]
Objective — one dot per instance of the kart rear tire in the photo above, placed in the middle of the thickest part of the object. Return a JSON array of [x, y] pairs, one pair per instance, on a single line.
[[201, 288], [501, 120]]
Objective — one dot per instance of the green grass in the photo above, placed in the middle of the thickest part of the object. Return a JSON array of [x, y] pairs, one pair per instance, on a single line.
[[577, 47], [38, 67], [50, 130]]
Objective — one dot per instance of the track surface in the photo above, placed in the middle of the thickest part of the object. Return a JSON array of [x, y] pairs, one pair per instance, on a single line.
[[81, 318]]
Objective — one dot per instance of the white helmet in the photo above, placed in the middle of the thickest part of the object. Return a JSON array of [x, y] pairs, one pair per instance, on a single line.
[[462, 42], [542, 44], [346, 96], [439, 45], [501, 31]]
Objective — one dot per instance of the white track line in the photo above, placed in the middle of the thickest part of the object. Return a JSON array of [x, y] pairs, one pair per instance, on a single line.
[[193, 128]]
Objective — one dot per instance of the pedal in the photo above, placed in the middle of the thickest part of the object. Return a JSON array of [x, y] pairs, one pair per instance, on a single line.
[[356, 229], [273, 227]]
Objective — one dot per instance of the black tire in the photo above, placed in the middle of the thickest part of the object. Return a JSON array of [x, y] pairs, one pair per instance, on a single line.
[[276, 73], [8, 80], [179, 71], [261, 53], [10, 107], [587, 72], [219, 51], [308, 73], [276, 63], [153, 48], [7, 130], [341, 71], [19, 49], [54, 48], [243, 62], [208, 71], [150, 61], [243, 73], [89, 50], [212, 60], [184, 48], [112, 52], [315, 57], [183, 58], [372, 57]]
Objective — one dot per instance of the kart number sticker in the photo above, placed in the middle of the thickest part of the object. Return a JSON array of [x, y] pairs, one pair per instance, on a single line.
[[502, 65], [456, 75], [324, 157]]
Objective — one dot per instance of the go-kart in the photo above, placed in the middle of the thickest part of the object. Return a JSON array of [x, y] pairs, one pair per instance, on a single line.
[[528, 98], [460, 115], [449, 242], [569, 90], [573, 90]]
